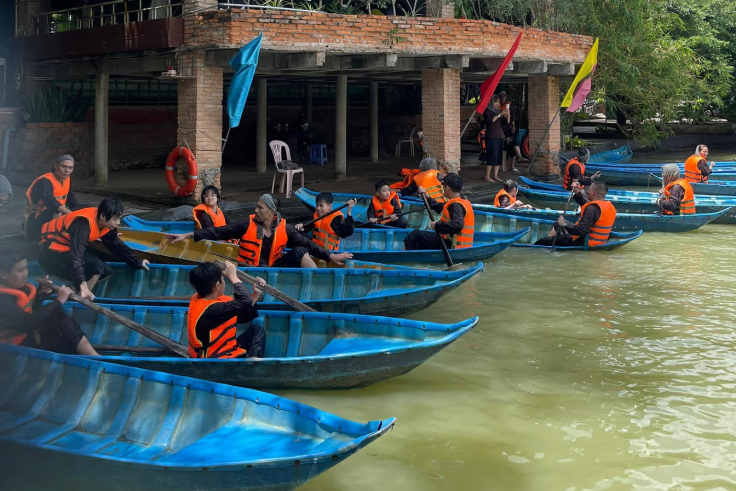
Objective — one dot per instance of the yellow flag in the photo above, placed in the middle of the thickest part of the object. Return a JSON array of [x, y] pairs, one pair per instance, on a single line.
[[586, 69]]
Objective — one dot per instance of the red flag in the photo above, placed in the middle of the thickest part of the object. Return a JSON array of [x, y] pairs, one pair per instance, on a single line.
[[489, 86]]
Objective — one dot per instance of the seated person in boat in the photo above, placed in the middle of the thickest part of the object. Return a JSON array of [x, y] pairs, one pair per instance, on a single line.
[[25, 321], [328, 231], [262, 238], [456, 224], [676, 196], [213, 316], [385, 208], [49, 196], [430, 178], [208, 214], [594, 225], [506, 197], [64, 244], [696, 167], [575, 171]]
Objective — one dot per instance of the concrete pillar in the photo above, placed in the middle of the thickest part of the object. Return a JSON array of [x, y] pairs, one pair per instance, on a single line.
[[26, 12], [261, 125], [341, 127], [544, 101], [200, 118], [102, 86], [441, 114], [309, 104], [444, 9], [374, 121]]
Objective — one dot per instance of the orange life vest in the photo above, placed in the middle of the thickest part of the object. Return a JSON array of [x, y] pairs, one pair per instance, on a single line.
[[218, 218], [57, 231], [482, 140], [24, 298], [408, 178], [429, 181], [385, 209], [249, 252], [323, 235], [692, 173], [465, 237], [567, 179], [601, 229], [499, 195], [687, 205], [61, 191], [221, 342]]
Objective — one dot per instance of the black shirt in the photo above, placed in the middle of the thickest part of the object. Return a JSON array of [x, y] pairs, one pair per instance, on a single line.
[[14, 318], [677, 193], [457, 217], [237, 229], [575, 173], [494, 129], [79, 237], [206, 221], [591, 215], [218, 313], [43, 190], [703, 167]]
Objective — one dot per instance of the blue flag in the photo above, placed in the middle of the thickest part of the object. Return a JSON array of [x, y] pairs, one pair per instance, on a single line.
[[245, 63]]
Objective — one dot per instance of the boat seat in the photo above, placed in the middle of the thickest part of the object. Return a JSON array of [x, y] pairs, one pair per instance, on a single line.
[[362, 343]]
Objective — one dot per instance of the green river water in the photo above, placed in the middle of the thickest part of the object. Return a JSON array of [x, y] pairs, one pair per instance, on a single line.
[[587, 371]]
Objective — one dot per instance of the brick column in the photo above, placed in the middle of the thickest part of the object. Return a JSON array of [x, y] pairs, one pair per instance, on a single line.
[[544, 100], [441, 113], [444, 9], [200, 118]]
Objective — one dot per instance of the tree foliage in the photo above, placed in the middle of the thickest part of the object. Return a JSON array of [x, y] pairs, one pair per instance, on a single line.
[[658, 60]]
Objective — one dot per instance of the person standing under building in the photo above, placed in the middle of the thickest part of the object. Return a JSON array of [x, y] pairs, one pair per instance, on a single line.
[[676, 196], [49, 196], [696, 167], [64, 243], [495, 138]]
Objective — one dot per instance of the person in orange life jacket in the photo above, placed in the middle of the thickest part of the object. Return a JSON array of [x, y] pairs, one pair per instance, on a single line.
[[64, 242], [262, 238], [328, 231], [676, 196], [696, 167], [213, 317], [574, 234], [49, 196], [25, 321], [506, 197], [575, 171], [430, 177], [482, 142], [456, 220], [208, 214], [385, 207]]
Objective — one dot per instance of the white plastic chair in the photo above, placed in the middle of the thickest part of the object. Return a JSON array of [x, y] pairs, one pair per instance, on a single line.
[[409, 140], [286, 174]]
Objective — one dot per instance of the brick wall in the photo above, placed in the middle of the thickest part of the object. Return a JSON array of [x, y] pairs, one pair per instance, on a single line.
[[441, 113], [140, 137], [544, 101], [200, 118], [295, 31]]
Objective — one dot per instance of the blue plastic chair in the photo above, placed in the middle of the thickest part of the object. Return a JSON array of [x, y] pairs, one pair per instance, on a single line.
[[318, 154]]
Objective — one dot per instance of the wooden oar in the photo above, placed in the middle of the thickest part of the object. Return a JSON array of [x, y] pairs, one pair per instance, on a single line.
[[177, 348], [563, 214], [445, 252], [294, 303], [174, 297], [397, 214], [130, 349], [325, 215]]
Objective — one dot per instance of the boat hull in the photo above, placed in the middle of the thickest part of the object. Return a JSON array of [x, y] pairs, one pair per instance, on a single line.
[[304, 350], [103, 426], [392, 293]]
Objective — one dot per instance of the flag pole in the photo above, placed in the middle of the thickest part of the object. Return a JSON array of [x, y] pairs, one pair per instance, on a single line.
[[224, 142], [536, 152], [470, 119]]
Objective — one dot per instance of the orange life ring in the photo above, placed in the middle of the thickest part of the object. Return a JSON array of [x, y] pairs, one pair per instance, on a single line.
[[192, 172]]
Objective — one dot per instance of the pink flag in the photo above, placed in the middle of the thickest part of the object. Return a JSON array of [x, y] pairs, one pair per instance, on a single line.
[[579, 99], [489, 86]]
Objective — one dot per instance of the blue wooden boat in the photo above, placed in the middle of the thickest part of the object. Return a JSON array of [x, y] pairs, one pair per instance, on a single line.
[[642, 167], [643, 177], [625, 222], [715, 188], [644, 203], [392, 292], [169, 227], [385, 245], [304, 350], [74, 423], [611, 157], [615, 240]]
